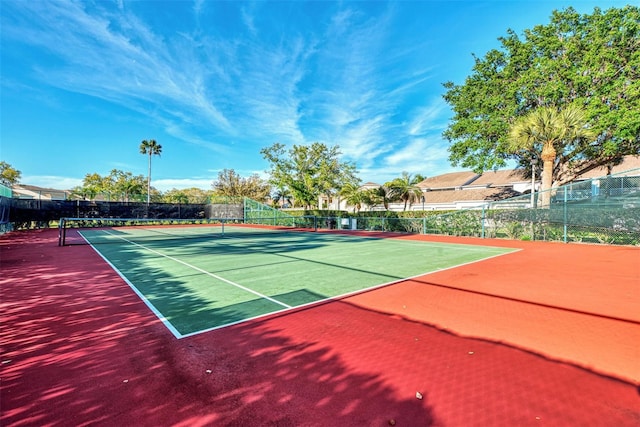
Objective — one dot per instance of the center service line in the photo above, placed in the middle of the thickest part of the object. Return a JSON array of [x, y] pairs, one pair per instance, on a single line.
[[215, 276]]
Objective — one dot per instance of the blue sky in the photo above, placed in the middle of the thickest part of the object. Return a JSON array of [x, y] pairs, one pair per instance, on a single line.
[[214, 82]]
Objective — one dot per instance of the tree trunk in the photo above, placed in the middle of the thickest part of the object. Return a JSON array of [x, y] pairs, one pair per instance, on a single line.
[[548, 160], [149, 180]]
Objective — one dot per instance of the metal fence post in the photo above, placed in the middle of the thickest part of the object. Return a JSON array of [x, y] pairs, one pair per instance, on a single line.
[[564, 213], [244, 210], [482, 219]]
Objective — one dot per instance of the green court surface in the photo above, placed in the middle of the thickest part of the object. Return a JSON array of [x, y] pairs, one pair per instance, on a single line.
[[209, 280]]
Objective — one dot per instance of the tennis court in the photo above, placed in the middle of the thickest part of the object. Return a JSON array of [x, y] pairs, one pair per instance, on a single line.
[[495, 342], [201, 278]]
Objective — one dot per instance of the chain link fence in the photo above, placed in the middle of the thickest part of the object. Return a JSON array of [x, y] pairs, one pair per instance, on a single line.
[[32, 213], [602, 210]]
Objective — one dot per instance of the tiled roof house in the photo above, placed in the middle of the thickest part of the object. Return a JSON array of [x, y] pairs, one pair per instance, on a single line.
[[23, 191], [455, 190], [465, 190]]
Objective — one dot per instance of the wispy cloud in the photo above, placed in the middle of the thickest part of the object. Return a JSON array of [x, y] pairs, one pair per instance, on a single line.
[[428, 118], [267, 87], [113, 55], [348, 106], [346, 79], [360, 100], [419, 156], [248, 19]]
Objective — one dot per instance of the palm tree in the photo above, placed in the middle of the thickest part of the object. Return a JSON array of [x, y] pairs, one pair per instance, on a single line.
[[353, 195], [371, 197], [553, 130], [150, 147], [405, 189], [379, 196], [282, 198]]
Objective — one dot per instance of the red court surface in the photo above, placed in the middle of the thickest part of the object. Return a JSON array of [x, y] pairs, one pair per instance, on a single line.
[[548, 335]]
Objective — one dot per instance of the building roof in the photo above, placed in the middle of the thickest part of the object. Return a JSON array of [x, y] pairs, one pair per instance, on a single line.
[[478, 194], [629, 163], [369, 184], [32, 191], [449, 180], [500, 178], [507, 177], [36, 188]]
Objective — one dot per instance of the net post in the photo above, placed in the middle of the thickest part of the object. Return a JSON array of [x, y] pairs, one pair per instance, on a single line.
[[61, 232]]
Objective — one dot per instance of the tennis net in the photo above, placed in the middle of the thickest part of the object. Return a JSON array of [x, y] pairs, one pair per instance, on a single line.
[[82, 231]]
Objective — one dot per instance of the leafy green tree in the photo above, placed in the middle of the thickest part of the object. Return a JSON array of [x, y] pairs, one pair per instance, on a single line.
[[8, 175], [309, 170], [152, 148], [588, 60], [230, 184], [187, 195], [124, 185], [198, 195], [92, 185], [549, 131], [118, 185], [370, 198], [405, 189], [175, 196]]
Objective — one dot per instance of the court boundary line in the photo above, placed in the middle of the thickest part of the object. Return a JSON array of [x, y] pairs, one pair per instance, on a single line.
[[149, 304], [215, 276], [348, 294], [144, 299], [287, 307]]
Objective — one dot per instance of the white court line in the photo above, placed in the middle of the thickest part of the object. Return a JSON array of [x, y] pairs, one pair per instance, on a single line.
[[351, 293], [444, 245], [286, 307], [144, 299], [215, 276], [149, 304]]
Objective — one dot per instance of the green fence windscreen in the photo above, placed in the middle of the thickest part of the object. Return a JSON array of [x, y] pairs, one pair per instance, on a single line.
[[5, 191]]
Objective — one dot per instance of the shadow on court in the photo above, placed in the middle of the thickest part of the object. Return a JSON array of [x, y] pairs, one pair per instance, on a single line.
[[79, 348], [209, 281]]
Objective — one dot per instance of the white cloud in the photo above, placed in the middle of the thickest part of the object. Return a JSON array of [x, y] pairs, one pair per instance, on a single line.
[[412, 152], [197, 6], [113, 55], [181, 183], [428, 118], [346, 81], [51, 181], [248, 19], [422, 156]]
